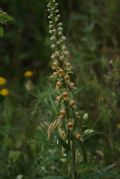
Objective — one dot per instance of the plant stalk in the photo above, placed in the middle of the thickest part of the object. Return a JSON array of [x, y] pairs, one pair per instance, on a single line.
[[73, 169]]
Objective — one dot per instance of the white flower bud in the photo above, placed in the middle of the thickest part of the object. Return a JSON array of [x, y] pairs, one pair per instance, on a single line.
[[57, 54], [57, 11], [58, 42], [63, 47], [56, 19], [60, 24], [60, 33], [53, 57], [52, 38], [63, 37], [50, 31], [54, 30], [48, 5], [52, 8], [53, 46], [66, 53], [50, 26], [51, 22], [85, 116], [58, 16], [62, 58], [56, 4], [60, 28]]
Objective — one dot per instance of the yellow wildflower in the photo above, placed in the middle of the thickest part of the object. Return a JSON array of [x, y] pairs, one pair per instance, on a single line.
[[4, 92], [28, 74], [3, 81]]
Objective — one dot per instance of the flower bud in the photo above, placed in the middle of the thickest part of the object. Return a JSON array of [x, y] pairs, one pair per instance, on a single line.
[[67, 77], [71, 85], [53, 46], [58, 98], [61, 72], [73, 103], [62, 112], [65, 96], [58, 84], [55, 65], [85, 116]]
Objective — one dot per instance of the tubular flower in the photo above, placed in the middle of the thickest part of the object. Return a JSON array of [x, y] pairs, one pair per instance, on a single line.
[[70, 125]]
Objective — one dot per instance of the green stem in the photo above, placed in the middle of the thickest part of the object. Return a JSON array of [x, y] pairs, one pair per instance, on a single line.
[[73, 169]]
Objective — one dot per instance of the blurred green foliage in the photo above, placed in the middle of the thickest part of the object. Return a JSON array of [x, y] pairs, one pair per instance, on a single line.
[[93, 31]]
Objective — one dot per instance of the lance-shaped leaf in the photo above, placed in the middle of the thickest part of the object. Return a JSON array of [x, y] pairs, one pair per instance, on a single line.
[[63, 143]]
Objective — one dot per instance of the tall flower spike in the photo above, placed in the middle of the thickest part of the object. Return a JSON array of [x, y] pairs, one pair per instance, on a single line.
[[61, 66], [62, 69]]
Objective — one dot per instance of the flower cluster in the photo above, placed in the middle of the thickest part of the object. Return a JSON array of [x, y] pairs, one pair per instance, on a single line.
[[3, 90], [62, 70]]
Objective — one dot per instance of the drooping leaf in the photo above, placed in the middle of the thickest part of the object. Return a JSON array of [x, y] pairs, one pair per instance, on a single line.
[[86, 136]]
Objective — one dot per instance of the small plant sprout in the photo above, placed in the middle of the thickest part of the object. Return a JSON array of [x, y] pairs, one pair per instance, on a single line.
[[68, 118]]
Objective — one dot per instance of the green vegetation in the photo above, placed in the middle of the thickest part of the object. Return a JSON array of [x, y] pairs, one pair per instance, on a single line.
[[28, 95]]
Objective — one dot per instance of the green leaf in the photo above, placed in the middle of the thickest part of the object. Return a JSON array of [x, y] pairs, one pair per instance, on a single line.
[[63, 143], [4, 17], [1, 31], [100, 173]]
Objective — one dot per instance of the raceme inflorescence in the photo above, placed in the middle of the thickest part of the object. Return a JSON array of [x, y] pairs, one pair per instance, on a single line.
[[65, 126]]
